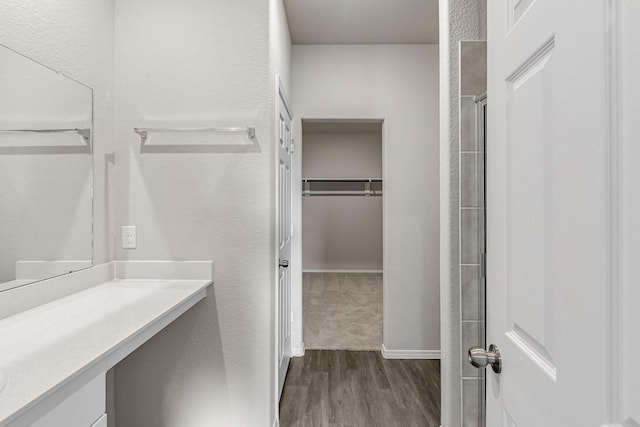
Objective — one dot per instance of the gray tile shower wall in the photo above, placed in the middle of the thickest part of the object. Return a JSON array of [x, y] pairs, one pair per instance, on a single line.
[[472, 410], [471, 245], [469, 221], [472, 335], [469, 293], [472, 233], [473, 83], [468, 125], [469, 179], [473, 64]]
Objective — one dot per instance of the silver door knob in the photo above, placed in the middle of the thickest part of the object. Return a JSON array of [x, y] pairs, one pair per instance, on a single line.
[[480, 358], [284, 263]]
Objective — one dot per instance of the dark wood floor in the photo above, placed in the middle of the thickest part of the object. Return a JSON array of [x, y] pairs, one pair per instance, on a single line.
[[360, 388]]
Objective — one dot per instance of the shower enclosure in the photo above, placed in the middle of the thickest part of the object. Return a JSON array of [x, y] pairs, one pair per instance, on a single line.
[[473, 110], [472, 257]]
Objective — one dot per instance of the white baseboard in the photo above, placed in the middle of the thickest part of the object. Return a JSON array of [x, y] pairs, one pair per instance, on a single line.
[[297, 351], [410, 354], [318, 270], [275, 422]]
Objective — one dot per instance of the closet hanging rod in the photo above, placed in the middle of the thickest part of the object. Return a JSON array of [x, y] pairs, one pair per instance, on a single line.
[[85, 133], [342, 187], [144, 132], [342, 179], [371, 193]]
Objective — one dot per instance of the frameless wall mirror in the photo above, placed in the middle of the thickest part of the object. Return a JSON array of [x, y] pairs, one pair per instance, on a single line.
[[46, 172]]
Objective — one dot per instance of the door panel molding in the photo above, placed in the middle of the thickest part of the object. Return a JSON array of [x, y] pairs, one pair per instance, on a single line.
[[624, 209], [548, 231], [615, 304], [283, 285]]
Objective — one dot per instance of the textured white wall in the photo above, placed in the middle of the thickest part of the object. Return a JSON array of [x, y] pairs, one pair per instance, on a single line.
[[280, 44], [400, 85], [338, 232], [342, 155], [459, 20], [201, 63], [75, 37]]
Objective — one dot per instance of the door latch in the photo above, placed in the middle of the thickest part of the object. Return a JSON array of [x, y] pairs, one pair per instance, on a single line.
[[480, 358]]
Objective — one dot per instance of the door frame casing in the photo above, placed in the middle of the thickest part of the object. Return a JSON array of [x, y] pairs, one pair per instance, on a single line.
[[297, 338], [279, 94], [624, 207]]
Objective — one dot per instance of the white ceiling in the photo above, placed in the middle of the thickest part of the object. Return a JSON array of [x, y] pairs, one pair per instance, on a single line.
[[363, 21]]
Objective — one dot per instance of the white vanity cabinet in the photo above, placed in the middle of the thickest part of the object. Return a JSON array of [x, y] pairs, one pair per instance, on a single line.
[[102, 422], [57, 353], [84, 408]]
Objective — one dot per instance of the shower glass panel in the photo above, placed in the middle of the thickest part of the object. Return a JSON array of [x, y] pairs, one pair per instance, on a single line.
[[481, 117]]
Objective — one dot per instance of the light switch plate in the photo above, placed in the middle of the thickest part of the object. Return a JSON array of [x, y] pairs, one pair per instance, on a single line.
[[129, 238]]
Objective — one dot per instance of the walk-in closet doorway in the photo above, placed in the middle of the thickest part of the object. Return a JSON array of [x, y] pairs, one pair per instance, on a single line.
[[342, 234]]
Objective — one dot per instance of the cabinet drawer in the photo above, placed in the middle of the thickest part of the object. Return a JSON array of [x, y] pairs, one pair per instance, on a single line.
[[81, 409], [102, 422]]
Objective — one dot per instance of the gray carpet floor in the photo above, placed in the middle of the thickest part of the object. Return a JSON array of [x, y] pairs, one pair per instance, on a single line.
[[342, 311]]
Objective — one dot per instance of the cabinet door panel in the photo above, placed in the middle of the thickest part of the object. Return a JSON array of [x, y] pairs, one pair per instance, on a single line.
[[102, 422], [81, 409]]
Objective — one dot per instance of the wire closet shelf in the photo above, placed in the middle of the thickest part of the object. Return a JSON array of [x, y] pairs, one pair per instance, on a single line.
[[367, 187]]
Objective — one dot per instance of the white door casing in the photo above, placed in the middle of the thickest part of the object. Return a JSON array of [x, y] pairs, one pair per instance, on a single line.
[[562, 248], [624, 294], [283, 297]]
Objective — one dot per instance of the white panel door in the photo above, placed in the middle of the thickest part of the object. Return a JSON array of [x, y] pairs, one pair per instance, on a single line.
[[625, 295], [284, 238], [549, 227]]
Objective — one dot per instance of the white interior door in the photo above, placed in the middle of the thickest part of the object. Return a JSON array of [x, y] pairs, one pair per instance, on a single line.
[[284, 238], [551, 226]]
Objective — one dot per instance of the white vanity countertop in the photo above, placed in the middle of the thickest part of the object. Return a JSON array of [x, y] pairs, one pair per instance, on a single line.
[[47, 347]]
